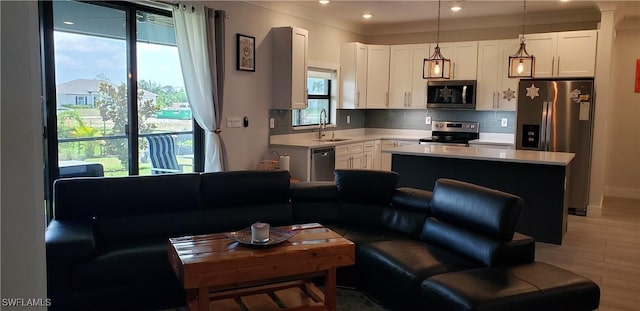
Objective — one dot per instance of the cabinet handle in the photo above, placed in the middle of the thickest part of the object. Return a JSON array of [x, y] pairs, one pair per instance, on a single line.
[[358, 99], [404, 102], [387, 103], [410, 100], [553, 63], [558, 70]]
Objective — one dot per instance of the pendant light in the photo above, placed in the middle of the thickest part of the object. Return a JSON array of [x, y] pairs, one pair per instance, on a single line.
[[521, 64], [436, 66]]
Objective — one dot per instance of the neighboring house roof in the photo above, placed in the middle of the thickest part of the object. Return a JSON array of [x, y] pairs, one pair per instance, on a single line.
[[87, 86]]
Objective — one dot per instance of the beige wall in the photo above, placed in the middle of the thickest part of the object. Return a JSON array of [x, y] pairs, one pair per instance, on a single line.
[[623, 164], [249, 93], [22, 211]]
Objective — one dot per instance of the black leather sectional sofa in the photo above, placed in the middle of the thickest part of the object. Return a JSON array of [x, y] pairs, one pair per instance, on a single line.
[[453, 249]]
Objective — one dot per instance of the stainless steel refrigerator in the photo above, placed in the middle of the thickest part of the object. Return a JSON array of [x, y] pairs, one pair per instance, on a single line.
[[557, 115]]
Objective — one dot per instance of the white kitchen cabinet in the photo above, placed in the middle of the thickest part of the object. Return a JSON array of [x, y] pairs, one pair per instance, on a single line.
[[495, 90], [464, 58], [350, 156], [388, 144], [353, 67], [491, 146], [577, 53], [563, 54], [290, 49], [371, 155], [543, 47], [407, 88], [377, 76]]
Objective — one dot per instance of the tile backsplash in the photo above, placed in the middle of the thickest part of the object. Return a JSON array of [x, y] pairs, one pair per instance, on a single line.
[[402, 119], [415, 119]]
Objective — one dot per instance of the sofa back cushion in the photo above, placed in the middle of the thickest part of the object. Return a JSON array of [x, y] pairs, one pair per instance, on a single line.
[[476, 208], [461, 241], [366, 186], [363, 195], [236, 199], [408, 211], [315, 201], [131, 207]]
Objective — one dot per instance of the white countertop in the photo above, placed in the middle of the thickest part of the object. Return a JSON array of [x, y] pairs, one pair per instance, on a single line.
[[310, 140], [474, 153]]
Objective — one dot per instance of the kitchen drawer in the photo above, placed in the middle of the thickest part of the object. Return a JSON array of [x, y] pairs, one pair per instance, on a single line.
[[349, 149], [369, 145]]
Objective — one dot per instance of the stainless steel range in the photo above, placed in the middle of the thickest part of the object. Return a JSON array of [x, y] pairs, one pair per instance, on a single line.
[[452, 133]]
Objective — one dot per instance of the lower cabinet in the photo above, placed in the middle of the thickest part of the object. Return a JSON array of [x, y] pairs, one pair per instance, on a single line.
[[371, 155], [362, 155], [387, 144], [492, 146], [349, 156]]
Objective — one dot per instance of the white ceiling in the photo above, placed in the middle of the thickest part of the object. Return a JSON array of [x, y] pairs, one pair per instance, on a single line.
[[348, 14]]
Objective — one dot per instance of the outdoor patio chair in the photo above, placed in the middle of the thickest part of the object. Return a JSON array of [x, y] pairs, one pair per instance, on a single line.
[[162, 152]]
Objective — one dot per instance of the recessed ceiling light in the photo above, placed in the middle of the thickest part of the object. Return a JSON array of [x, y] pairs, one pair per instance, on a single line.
[[323, 2], [456, 8], [67, 23], [367, 15]]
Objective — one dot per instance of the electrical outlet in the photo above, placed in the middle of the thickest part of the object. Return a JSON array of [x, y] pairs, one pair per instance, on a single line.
[[272, 123], [427, 120], [348, 119], [503, 122], [234, 122]]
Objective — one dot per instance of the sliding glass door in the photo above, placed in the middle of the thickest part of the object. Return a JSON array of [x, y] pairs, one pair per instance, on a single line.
[[113, 82]]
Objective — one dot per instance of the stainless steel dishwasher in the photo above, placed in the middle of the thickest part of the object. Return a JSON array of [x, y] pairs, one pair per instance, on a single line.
[[323, 163]]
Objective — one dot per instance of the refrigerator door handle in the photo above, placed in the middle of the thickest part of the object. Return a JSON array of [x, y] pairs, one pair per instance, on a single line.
[[543, 126], [547, 139]]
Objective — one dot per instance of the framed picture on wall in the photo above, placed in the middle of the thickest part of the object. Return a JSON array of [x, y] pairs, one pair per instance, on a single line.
[[246, 52]]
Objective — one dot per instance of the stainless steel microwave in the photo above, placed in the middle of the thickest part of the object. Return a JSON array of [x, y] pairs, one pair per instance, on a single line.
[[451, 94]]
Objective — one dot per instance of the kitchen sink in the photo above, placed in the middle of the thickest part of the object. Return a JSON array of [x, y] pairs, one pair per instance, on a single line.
[[333, 139]]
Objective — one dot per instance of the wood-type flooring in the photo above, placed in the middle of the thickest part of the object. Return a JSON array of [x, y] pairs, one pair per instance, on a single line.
[[605, 247]]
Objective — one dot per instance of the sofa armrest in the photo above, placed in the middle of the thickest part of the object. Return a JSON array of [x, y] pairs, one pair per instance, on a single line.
[[520, 250], [68, 241]]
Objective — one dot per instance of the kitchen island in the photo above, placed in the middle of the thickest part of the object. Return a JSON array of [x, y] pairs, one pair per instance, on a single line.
[[539, 178]]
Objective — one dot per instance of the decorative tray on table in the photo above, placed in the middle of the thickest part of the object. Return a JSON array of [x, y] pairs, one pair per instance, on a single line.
[[276, 236]]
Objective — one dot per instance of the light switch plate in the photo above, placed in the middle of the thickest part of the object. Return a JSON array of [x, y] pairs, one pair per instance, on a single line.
[[503, 122], [427, 120], [348, 119], [234, 122], [272, 123]]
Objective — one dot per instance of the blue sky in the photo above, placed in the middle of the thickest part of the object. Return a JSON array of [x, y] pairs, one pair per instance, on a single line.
[[87, 57]]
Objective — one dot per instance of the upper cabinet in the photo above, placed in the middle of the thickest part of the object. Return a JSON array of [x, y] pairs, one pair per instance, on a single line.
[[407, 88], [289, 81], [377, 76], [563, 54], [390, 76], [464, 59], [365, 75], [496, 91], [353, 67]]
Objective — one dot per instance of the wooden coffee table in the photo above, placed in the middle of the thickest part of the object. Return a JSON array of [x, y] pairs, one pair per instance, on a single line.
[[223, 274]]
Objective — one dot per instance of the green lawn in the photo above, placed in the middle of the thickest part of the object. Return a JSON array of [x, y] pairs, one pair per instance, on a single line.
[[113, 168]]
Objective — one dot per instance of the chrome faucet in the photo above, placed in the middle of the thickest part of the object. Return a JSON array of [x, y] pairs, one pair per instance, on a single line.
[[323, 123]]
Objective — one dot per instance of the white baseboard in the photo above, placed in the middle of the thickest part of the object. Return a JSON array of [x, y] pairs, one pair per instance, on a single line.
[[619, 192]]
